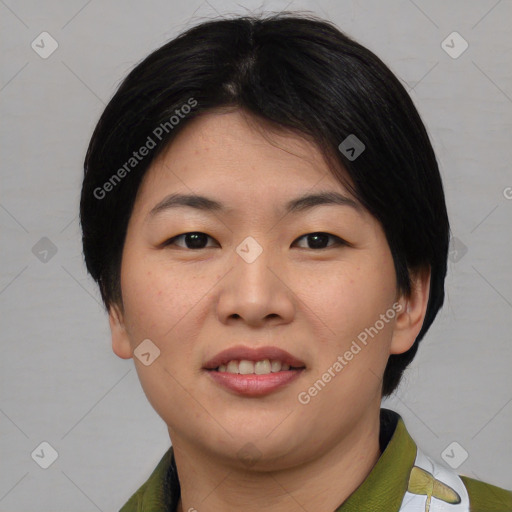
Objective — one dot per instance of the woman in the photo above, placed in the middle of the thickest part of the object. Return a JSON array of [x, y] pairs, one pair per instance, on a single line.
[[297, 159]]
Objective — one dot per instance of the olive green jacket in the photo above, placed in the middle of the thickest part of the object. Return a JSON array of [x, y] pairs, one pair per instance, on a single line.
[[404, 479]]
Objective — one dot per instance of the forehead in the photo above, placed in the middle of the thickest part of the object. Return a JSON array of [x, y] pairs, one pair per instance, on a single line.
[[241, 158]]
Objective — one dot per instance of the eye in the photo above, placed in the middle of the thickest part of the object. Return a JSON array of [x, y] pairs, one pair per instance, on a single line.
[[193, 240], [197, 240], [319, 239]]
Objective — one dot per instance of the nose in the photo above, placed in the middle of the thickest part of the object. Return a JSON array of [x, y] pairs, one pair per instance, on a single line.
[[256, 291]]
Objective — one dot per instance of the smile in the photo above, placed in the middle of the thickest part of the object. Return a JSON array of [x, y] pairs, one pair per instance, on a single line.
[[263, 367], [253, 371]]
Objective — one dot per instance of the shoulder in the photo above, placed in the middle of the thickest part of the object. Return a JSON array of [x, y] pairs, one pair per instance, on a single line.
[[160, 492], [445, 490], [484, 497], [134, 503]]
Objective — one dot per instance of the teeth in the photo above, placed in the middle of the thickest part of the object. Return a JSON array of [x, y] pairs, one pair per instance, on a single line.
[[232, 367], [245, 367], [275, 365], [262, 367]]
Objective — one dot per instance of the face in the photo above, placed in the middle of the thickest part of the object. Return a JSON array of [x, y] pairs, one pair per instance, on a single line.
[[303, 285]]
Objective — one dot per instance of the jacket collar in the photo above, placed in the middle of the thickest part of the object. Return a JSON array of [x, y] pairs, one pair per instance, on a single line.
[[383, 488]]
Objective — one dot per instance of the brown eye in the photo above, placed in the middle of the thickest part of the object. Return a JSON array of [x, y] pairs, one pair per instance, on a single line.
[[319, 240], [192, 240], [196, 240]]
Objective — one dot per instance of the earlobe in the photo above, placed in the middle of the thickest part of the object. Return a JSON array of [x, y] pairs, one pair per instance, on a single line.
[[120, 339], [412, 313]]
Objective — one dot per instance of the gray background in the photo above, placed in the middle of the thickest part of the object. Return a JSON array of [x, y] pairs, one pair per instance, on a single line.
[[59, 380]]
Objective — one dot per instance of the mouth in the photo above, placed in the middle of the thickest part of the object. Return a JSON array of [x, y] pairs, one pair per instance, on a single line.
[[262, 367], [254, 372], [259, 361]]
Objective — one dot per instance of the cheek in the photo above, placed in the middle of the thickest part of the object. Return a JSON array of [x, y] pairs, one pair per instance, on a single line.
[[357, 346], [162, 305], [157, 297], [352, 297], [160, 301]]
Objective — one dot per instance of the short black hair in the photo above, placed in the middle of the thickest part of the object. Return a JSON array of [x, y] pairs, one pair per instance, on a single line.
[[295, 72]]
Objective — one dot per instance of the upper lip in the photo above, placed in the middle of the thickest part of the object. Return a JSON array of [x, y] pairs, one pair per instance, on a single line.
[[252, 354]]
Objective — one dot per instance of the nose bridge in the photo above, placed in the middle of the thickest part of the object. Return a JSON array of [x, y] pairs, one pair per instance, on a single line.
[[252, 272], [253, 291]]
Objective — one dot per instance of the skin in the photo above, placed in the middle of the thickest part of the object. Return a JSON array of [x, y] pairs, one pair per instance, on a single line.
[[193, 303]]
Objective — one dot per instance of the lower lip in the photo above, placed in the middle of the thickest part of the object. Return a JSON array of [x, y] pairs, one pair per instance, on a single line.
[[252, 384]]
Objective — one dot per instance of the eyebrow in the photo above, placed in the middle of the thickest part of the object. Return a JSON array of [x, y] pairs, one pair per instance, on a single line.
[[299, 204]]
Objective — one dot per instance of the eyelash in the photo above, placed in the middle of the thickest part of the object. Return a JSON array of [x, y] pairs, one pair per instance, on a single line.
[[338, 241]]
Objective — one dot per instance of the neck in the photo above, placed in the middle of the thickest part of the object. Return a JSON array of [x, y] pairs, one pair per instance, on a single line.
[[322, 483]]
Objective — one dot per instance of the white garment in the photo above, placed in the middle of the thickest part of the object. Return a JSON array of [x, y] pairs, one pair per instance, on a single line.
[[419, 502]]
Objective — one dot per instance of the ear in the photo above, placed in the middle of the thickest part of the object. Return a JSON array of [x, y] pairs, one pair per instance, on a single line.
[[412, 313], [120, 339]]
